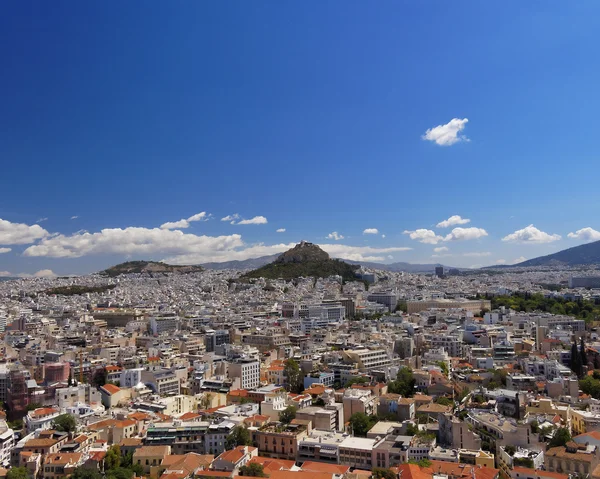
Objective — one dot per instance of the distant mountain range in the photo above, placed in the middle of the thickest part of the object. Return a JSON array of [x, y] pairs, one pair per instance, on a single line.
[[255, 263], [585, 254]]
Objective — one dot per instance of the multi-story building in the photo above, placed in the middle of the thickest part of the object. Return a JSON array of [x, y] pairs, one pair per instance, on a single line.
[[164, 324], [358, 400], [7, 443], [388, 298], [573, 459], [247, 371], [367, 359], [162, 381], [281, 442], [214, 339], [267, 341], [453, 345], [473, 306]]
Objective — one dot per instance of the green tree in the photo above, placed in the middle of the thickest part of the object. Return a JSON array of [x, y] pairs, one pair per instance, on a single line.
[[17, 473], [404, 384], [444, 401], [33, 406], [100, 377], [561, 437], [288, 414], [253, 469], [294, 376], [412, 429], [382, 473], [113, 457], [120, 473], [361, 423], [70, 382], [535, 426], [444, 367], [421, 463], [86, 473], [64, 423], [583, 354], [357, 380], [510, 450], [239, 436], [401, 306]]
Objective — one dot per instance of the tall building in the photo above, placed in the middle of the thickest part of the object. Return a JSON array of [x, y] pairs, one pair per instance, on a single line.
[[439, 271], [214, 339], [247, 370], [388, 298]]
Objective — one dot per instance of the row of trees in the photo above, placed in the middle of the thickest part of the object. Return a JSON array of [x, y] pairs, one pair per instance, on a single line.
[[579, 358], [582, 309]]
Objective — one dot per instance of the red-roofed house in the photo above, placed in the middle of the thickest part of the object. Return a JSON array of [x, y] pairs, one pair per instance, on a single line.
[[233, 459], [112, 395]]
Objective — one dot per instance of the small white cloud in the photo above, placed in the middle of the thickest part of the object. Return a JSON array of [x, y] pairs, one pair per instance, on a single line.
[[448, 134], [281, 230], [41, 220], [185, 223], [424, 236], [530, 234], [478, 254], [500, 261], [74, 217], [371, 231], [383, 236], [464, 234], [390, 256], [335, 236], [44, 273], [585, 234], [232, 218], [520, 259], [443, 255], [440, 249], [452, 221], [257, 220], [5, 250]]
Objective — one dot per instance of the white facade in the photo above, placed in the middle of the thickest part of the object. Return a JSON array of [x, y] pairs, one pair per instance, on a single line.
[[247, 370], [131, 377]]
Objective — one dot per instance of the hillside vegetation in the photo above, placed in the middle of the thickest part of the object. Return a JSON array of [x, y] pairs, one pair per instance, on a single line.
[[133, 267]]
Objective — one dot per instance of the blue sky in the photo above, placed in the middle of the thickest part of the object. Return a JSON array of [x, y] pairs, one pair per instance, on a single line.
[[317, 118]]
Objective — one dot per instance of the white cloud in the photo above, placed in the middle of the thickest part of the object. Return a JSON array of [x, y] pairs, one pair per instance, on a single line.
[[478, 254], [453, 220], [132, 240], [19, 233], [520, 259], [5, 250], [585, 234], [175, 225], [335, 236], [281, 230], [257, 220], [424, 236], [74, 217], [383, 236], [530, 234], [234, 217], [500, 261], [360, 253], [444, 255], [440, 249], [185, 223], [45, 273], [448, 134], [40, 220], [371, 231], [463, 234]]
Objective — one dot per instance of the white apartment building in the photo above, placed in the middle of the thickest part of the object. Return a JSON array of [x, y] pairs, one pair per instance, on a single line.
[[453, 345], [131, 377], [164, 324], [247, 370], [388, 298], [7, 443], [367, 359]]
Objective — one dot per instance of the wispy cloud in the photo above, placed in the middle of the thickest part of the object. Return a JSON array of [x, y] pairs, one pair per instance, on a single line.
[[40, 220], [452, 221], [335, 236], [440, 249], [477, 254], [281, 230], [185, 223], [448, 134], [74, 217], [5, 250]]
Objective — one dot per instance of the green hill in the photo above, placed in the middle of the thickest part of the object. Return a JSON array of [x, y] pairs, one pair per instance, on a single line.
[[305, 259], [130, 267]]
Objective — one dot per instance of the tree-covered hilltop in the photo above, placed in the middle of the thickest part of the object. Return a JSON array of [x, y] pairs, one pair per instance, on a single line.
[[133, 267], [307, 260], [79, 289]]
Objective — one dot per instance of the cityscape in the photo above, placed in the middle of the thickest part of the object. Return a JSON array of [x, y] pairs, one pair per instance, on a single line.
[[299, 240]]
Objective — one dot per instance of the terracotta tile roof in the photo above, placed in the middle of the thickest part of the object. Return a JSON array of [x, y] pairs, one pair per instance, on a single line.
[[539, 473], [139, 416], [235, 455], [575, 456], [146, 451], [270, 464], [110, 389], [299, 475], [63, 458], [43, 411], [213, 474]]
